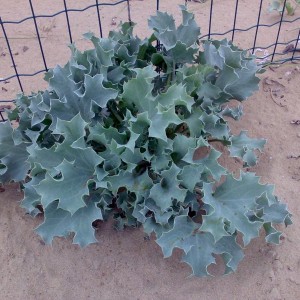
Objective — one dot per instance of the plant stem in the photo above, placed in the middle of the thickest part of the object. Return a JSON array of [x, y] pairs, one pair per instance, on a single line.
[[115, 113], [173, 72], [224, 142]]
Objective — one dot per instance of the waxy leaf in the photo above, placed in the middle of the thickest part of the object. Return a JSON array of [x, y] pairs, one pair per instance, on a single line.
[[201, 253], [167, 190], [73, 184], [231, 201], [183, 228], [242, 146], [59, 222], [13, 155]]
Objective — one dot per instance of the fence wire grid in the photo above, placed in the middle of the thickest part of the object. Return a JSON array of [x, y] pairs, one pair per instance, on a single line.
[[269, 58]]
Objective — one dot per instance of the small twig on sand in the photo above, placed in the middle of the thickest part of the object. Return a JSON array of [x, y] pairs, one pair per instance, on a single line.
[[272, 97], [295, 122], [290, 48], [3, 107]]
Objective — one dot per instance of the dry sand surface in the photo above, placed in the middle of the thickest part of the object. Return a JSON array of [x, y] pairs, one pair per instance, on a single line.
[[124, 265]]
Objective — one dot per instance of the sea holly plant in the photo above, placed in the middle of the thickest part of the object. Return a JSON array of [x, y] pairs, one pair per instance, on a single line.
[[280, 5], [129, 130]]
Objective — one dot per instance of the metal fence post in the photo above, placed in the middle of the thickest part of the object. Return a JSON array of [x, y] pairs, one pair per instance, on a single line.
[[38, 35], [257, 26], [68, 22], [234, 21], [278, 33], [11, 55], [99, 19]]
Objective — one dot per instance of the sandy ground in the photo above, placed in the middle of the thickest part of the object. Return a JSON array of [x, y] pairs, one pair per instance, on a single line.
[[124, 265]]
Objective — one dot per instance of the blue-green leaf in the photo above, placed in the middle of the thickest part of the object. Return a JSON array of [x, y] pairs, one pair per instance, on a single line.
[[201, 253], [242, 146], [167, 190], [59, 222], [13, 155]]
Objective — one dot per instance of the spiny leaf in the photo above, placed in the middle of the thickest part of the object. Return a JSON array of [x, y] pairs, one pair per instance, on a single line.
[[161, 120], [162, 22], [180, 42], [190, 176], [237, 71], [31, 197], [214, 126], [200, 255], [13, 155], [234, 113], [231, 201], [104, 49], [95, 92], [242, 146], [175, 95], [59, 222], [73, 131], [73, 184], [167, 190], [183, 228], [74, 98], [209, 161], [183, 144], [138, 91], [132, 182]]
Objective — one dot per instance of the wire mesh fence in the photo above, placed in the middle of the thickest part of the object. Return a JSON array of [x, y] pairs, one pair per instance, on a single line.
[[266, 53]]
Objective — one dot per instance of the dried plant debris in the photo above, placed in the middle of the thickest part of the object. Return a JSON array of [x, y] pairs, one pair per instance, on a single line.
[[295, 122]]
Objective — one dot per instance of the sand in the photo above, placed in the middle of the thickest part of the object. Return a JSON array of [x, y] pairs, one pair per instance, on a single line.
[[123, 265]]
